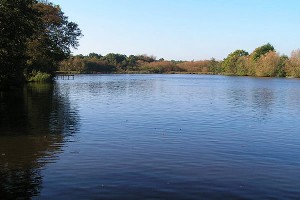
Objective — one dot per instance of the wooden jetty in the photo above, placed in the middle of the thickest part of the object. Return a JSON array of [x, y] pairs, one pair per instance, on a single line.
[[64, 76]]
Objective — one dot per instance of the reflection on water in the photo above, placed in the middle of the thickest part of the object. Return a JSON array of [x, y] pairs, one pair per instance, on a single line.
[[34, 124], [262, 102], [152, 137]]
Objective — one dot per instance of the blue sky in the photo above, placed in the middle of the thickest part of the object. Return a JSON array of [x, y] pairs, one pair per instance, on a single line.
[[184, 29]]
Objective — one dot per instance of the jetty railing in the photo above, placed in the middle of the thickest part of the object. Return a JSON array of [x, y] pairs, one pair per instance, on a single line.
[[64, 76]]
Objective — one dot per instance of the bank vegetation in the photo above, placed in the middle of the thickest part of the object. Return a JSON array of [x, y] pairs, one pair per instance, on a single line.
[[264, 61], [35, 36]]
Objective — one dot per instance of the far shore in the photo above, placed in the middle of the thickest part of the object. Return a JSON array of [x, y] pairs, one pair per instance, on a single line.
[[145, 72]]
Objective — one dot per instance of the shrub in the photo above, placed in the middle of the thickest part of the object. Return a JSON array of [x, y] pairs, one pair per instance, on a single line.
[[268, 64], [39, 77], [292, 67], [161, 67], [202, 66]]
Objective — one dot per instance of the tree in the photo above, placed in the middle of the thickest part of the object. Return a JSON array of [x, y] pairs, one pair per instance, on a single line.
[[242, 66], [280, 72], [131, 63], [17, 23], [262, 50], [52, 41], [94, 55], [94, 65], [292, 67], [115, 59], [35, 36], [230, 63], [268, 64], [146, 58], [214, 66]]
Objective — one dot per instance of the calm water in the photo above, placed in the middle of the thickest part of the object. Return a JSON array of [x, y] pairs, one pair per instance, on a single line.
[[151, 137]]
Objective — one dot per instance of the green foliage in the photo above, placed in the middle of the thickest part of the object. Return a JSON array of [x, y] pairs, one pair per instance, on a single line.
[[98, 66], [35, 35], [87, 64], [95, 63], [17, 23], [118, 60], [214, 66], [37, 76], [280, 71], [94, 55], [243, 66], [145, 58], [53, 39], [230, 63], [262, 50], [131, 61], [263, 61]]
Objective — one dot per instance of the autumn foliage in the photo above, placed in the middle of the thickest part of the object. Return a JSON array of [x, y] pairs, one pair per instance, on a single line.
[[292, 66], [264, 61]]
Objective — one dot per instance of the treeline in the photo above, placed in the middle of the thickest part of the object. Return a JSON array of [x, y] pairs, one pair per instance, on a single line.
[[264, 61], [35, 37], [119, 63]]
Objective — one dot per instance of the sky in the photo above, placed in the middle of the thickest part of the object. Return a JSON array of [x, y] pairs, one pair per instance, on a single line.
[[184, 29]]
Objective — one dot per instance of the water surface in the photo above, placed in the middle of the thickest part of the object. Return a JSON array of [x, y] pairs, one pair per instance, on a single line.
[[152, 137]]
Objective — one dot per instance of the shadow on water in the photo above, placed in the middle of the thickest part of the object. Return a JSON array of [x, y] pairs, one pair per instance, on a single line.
[[35, 122]]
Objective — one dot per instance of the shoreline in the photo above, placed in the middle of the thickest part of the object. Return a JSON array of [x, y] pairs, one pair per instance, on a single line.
[[145, 72]]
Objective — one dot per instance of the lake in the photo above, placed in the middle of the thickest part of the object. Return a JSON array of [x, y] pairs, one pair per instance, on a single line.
[[151, 137]]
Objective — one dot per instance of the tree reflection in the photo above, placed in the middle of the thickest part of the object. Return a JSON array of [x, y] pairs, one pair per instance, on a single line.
[[262, 102], [35, 122]]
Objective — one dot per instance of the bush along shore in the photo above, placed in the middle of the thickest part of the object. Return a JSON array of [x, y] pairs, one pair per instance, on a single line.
[[264, 61]]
